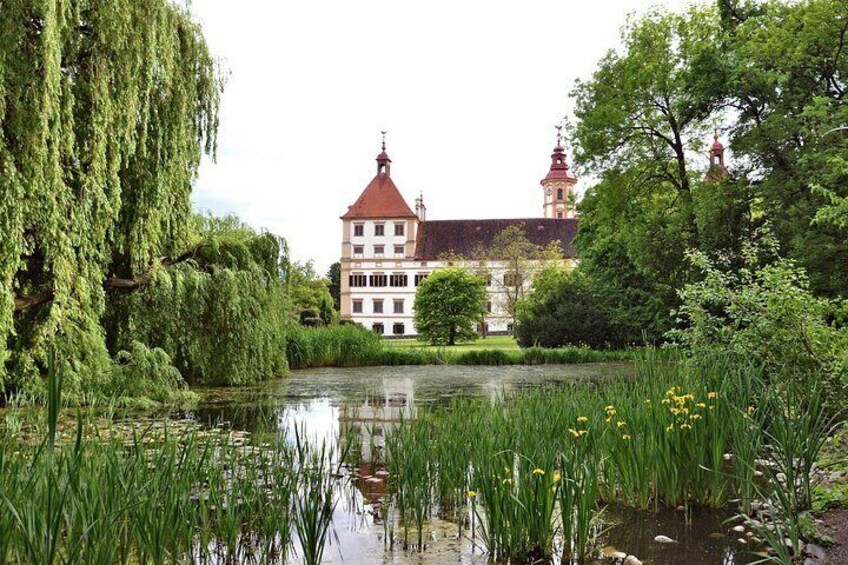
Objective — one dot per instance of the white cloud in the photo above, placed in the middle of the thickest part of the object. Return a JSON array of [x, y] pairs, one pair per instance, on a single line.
[[469, 92]]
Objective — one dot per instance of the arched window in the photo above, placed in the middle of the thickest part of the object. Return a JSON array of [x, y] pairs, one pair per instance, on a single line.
[[559, 194]]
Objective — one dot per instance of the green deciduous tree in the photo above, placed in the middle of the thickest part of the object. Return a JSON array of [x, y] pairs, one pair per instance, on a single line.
[[334, 278], [519, 260], [563, 309], [448, 304], [787, 88], [105, 110], [640, 116], [765, 314]]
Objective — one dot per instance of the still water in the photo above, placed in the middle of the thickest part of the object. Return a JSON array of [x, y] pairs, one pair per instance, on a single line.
[[370, 400]]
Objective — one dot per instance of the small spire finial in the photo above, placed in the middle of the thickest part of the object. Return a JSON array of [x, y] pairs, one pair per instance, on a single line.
[[715, 134], [384, 139], [559, 135]]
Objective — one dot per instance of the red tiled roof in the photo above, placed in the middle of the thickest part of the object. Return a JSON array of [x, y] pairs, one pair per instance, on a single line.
[[380, 199], [464, 237]]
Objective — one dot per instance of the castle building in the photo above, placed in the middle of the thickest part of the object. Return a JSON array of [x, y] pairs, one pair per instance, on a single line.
[[388, 249]]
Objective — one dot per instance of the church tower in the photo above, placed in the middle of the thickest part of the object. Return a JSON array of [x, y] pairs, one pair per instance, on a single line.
[[558, 185], [717, 171]]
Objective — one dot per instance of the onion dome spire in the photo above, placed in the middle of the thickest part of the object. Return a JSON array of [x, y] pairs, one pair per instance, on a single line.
[[383, 161], [559, 167]]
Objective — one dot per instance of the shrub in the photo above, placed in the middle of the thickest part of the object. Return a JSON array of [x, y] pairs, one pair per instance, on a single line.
[[563, 310], [332, 346], [767, 315], [141, 372]]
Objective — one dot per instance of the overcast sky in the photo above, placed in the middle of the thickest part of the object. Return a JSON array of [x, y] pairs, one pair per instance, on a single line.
[[468, 91]]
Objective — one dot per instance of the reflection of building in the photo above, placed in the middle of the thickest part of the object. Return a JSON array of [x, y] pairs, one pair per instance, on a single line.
[[369, 420], [387, 249]]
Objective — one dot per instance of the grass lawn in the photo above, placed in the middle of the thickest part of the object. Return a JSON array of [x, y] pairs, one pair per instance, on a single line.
[[499, 342]]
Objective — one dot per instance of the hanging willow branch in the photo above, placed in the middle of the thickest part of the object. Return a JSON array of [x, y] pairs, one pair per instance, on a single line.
[[112, 283], [105, 111]]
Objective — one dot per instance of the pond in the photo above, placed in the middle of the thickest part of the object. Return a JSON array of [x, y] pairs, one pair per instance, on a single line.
[[369, 400]]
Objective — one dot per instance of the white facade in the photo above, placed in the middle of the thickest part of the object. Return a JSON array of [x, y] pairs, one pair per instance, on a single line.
[[382, 263]]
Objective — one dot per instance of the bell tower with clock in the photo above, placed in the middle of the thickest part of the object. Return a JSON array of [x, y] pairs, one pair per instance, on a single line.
[[558, 185]]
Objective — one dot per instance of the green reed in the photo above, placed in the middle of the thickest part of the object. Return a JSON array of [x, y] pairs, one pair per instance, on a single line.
[[162, 493], [536, 466]]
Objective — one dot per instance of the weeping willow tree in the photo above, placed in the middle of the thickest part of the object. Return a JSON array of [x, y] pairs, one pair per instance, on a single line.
[[106, 107], [221, 315]]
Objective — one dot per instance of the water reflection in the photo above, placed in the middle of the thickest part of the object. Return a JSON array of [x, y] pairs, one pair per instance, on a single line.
[[368, 401]]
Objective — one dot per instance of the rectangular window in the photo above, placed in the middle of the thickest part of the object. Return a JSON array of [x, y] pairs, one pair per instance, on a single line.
[[378, 280], [358, 229], [488, 280], [400, 280], [482, 329], [399, 251], [357, 307], [420, 277], [378, 250], [399, 229], [378, 328], [357, 280], [397, 329], [509, 328], [559, 215], [510, 279], [489, 307], [357, 251], [378, 306], [379, 229], [398, 307]]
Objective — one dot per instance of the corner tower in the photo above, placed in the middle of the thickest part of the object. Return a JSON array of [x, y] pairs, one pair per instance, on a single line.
[[558, 185]]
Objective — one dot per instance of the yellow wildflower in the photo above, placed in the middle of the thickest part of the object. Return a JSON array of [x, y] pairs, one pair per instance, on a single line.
[[669, 427], [711, 395], [557, 476], [506, 469], [701, 405], [538, 471], [582, 420], [609, 408], [695, 416], [507, 481], [471, 494], [573, 432], [685, 426], [584, 432], [625, 437], [621, 424], [647, 401]]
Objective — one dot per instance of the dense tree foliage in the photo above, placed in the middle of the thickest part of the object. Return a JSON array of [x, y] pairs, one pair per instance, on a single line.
[[563, 310], [105, 110], [222, 314], [766, 315], [448, 304], [334, 278], [310, 295], [770, 74]]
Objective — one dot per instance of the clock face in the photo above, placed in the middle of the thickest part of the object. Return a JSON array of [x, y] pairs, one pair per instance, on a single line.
[[548, 191]]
